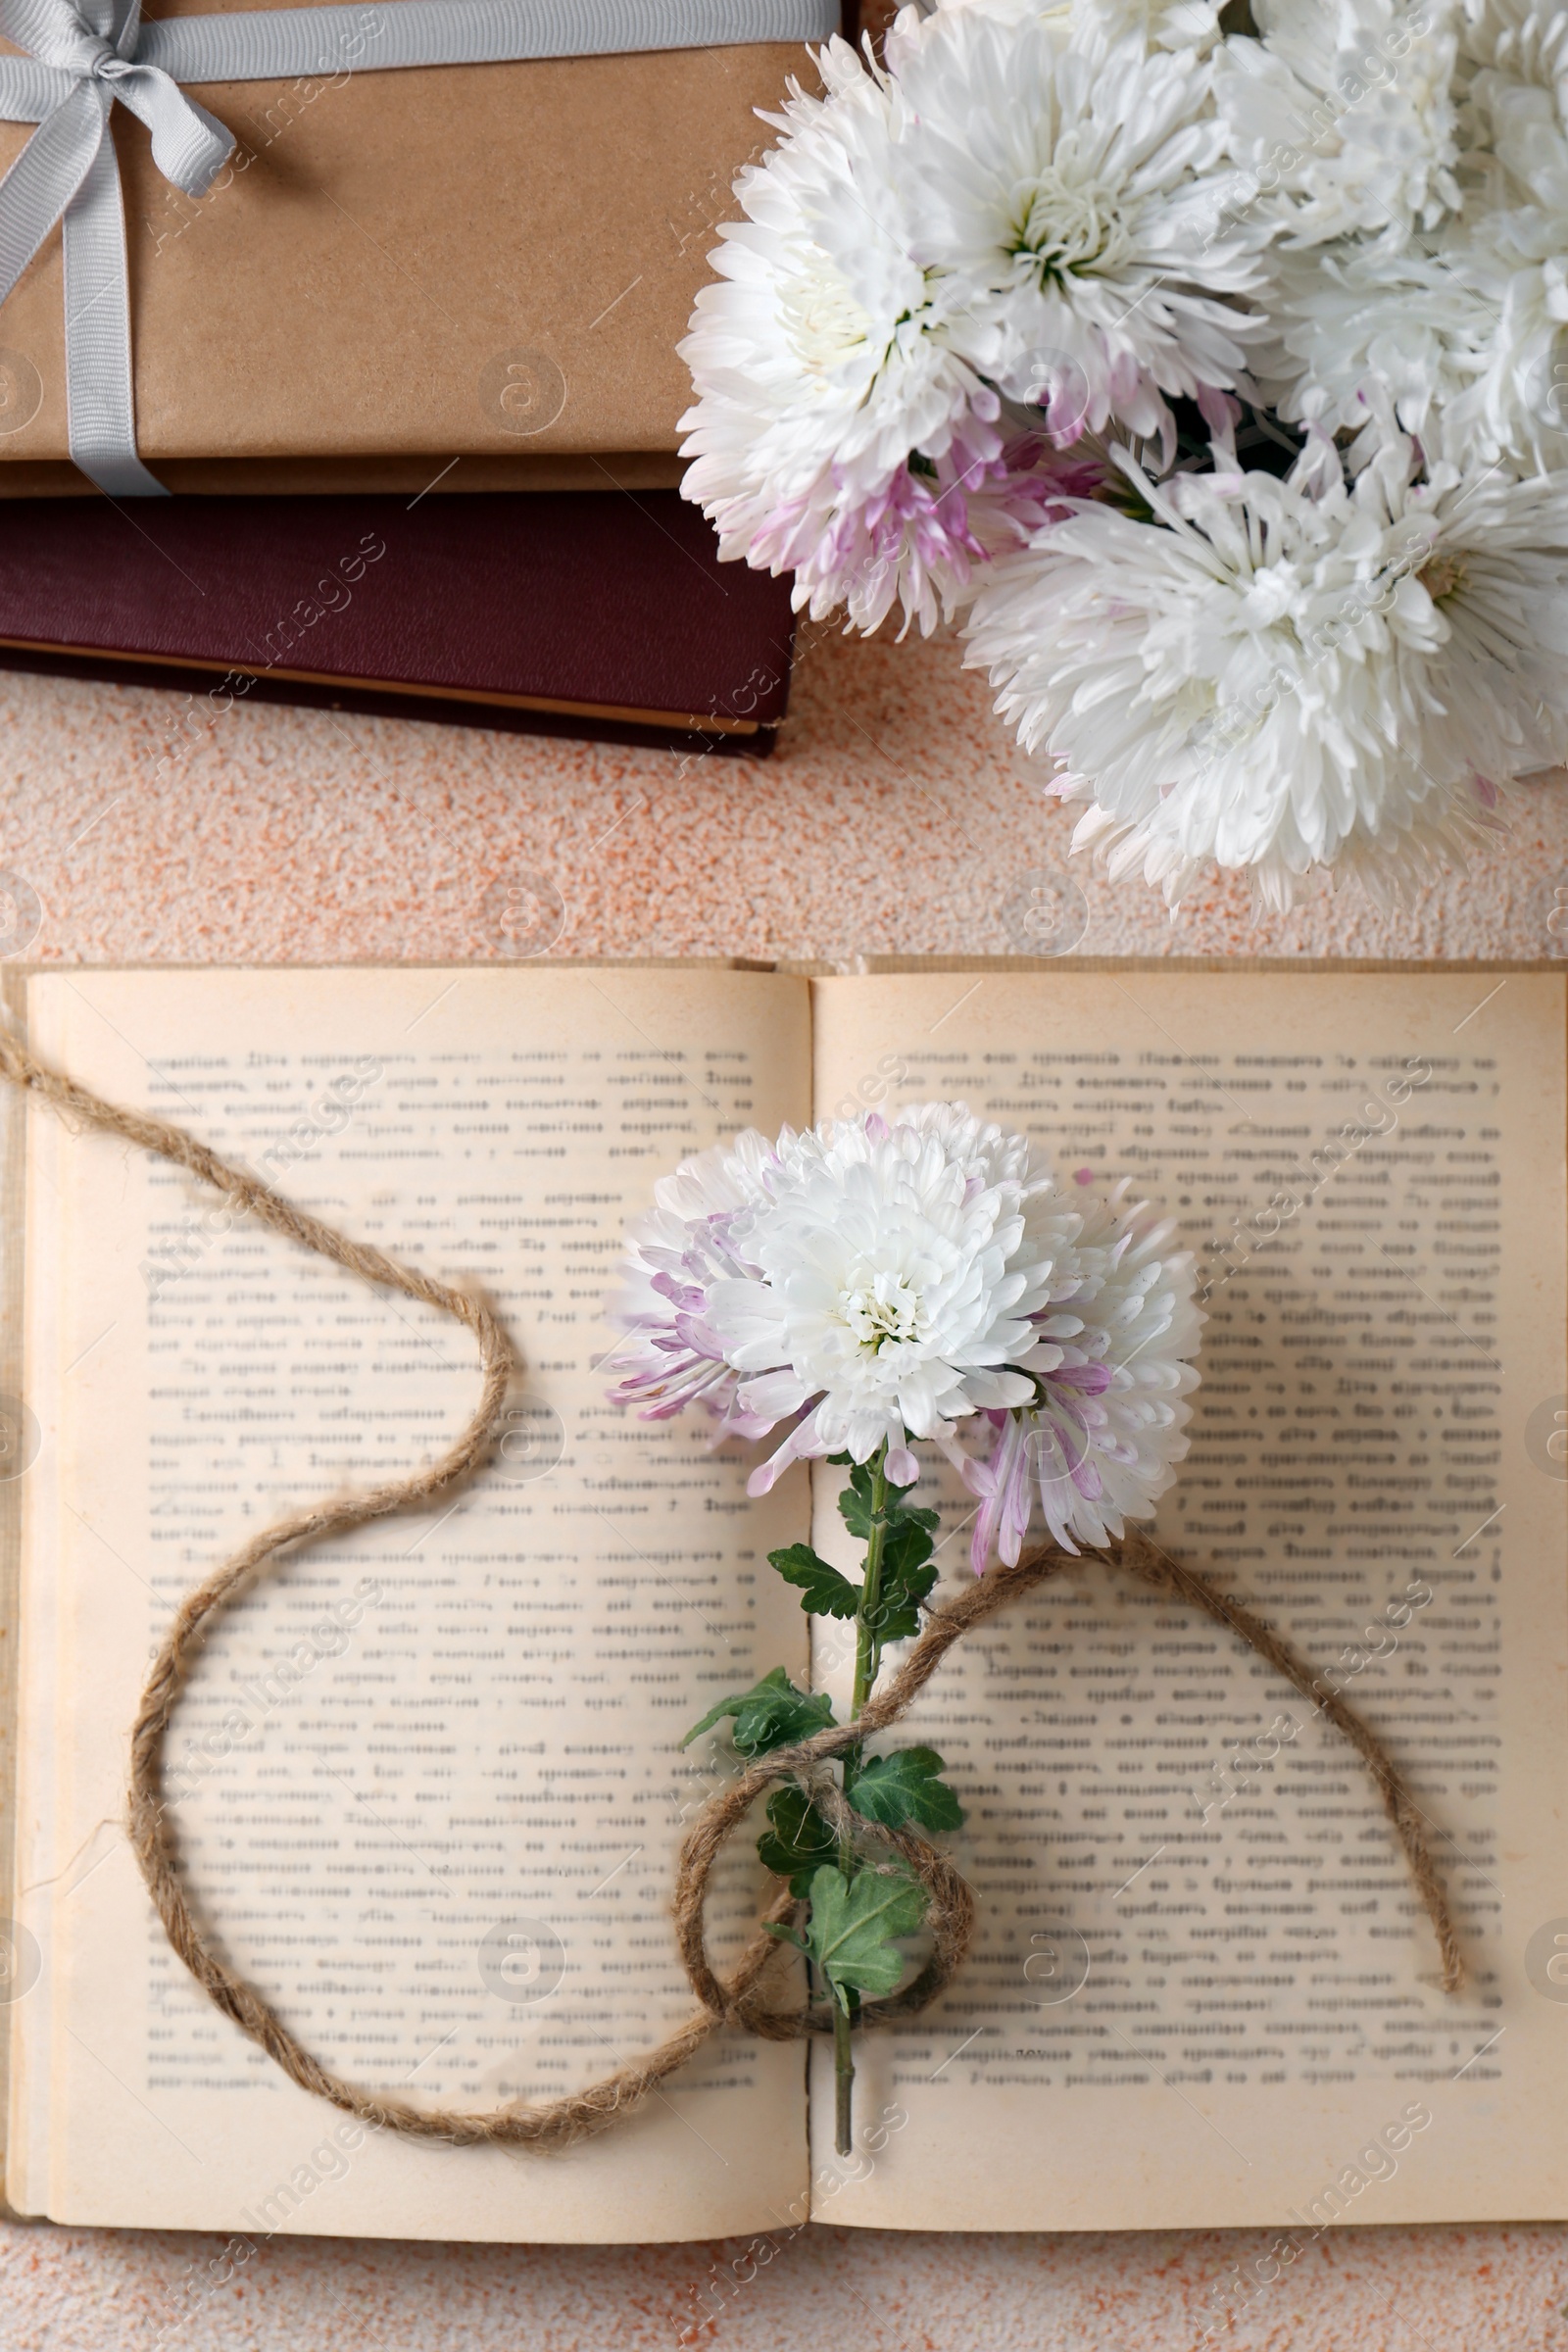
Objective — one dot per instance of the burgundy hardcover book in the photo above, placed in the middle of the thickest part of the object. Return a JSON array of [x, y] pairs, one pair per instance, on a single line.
[[585, 612]]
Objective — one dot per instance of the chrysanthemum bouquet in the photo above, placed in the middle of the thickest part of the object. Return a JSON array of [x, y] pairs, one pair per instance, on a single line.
[[1213, 362], [864, 1284]]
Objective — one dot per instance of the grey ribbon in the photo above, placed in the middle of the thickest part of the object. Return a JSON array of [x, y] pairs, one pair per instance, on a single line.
[[81, 59]]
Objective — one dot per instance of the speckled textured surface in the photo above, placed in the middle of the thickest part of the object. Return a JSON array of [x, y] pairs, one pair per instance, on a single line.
[[897, 815], [894, 816]]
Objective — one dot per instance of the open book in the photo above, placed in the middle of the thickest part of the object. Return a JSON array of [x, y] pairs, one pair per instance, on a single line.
[[427, 1780]]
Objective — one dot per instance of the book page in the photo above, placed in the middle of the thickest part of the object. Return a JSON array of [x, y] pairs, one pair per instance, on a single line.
[[427, 1780], [1203, 1990]]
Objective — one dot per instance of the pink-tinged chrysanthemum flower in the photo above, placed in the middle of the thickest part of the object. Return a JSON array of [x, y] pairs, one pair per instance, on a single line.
[[670, 1357], [823, 361], [1099, 1441], [1022, 217], [922, 538], [880, 1280]]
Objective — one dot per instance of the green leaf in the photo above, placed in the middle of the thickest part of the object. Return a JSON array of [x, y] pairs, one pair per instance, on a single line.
[[905, 1787], [854, 1506], [771, 1714], [853, 1926], [825, 1594], [907, 1576], [854, 1503], [905, 1550], [908, 1545], [799, 1840]]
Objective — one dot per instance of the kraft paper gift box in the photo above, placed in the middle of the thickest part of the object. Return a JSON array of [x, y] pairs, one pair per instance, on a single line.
[[484, 269]]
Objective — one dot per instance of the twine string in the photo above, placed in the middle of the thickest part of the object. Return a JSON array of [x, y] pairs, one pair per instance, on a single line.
[[740, 1997]]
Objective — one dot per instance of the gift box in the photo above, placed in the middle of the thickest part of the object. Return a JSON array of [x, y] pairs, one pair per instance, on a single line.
[[398, 267], [563, 613]]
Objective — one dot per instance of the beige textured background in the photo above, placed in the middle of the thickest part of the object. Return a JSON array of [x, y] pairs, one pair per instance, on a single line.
[[894, 818]]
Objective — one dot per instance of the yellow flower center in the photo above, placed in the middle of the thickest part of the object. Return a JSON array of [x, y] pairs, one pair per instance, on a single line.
[[1443, 577]]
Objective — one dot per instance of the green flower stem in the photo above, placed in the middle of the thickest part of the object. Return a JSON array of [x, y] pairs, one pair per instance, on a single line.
[[868, 1646], [867, 1658], [843, 2079]]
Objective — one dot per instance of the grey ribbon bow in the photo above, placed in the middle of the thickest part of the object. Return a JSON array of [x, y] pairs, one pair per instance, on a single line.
[[81, 59]]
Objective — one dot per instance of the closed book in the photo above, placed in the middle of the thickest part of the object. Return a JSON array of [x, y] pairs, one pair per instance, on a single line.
[[587, 612]]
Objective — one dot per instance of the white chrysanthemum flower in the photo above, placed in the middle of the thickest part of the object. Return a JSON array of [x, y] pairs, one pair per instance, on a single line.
[[1342, 116], [1067, 185], [823, 357], [1164, 24], [1509, 248], [1474, 329], [1357, 319], [1273, 675], [867, 1281], [1101, 1443], [1192, 24], [894, 1290]]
